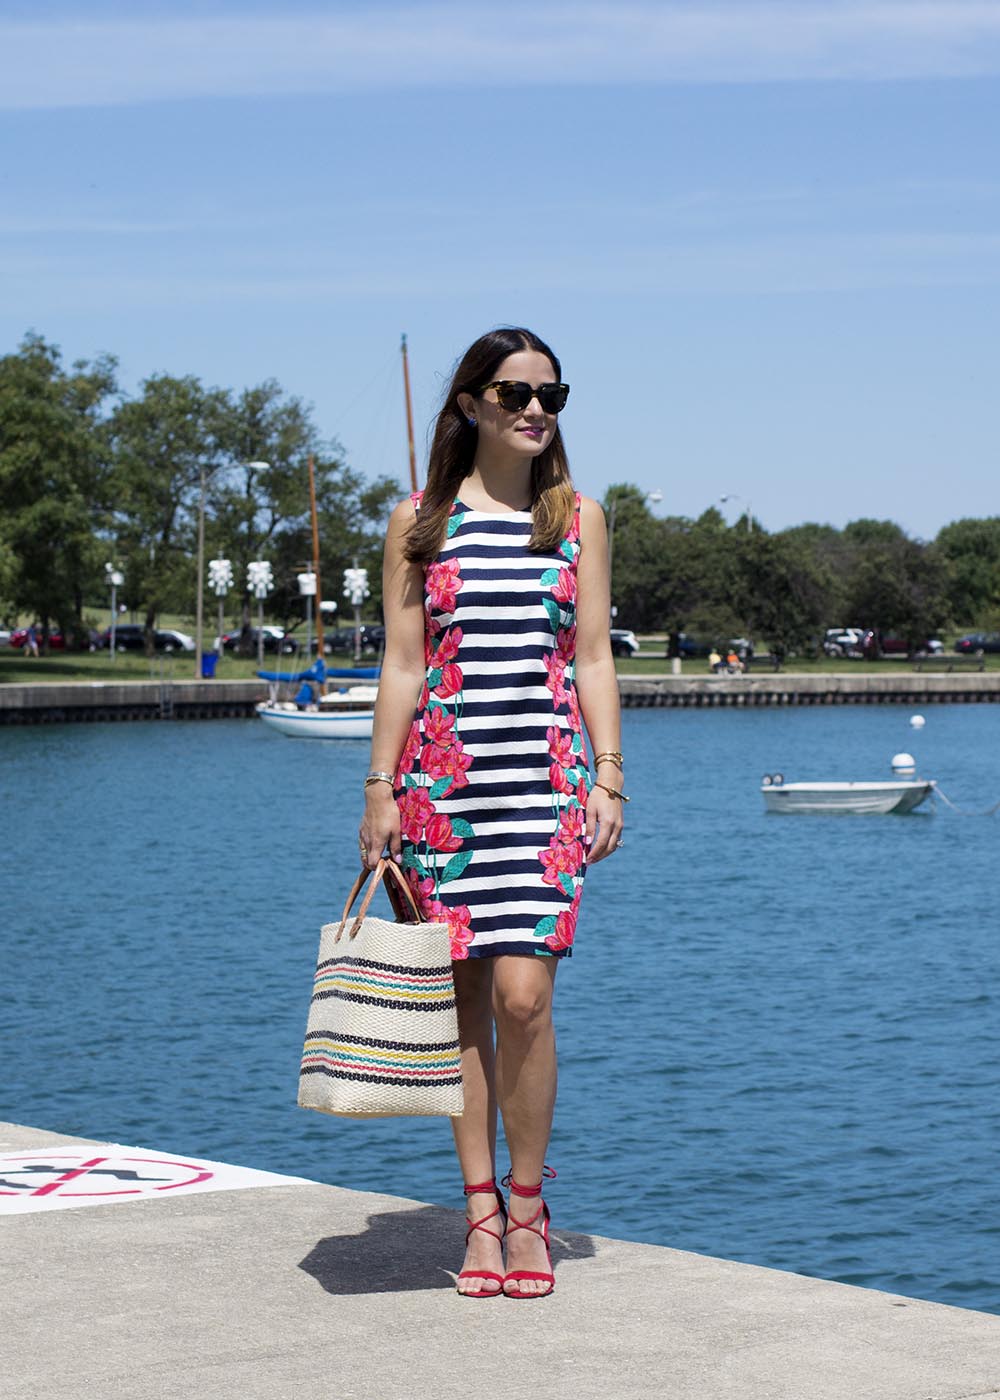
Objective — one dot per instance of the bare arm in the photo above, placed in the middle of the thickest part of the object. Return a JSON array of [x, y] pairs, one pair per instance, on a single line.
[[402, 676], [596, 679]]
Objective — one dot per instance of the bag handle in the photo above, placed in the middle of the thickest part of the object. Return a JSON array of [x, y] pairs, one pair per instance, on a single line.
[[397, 884]]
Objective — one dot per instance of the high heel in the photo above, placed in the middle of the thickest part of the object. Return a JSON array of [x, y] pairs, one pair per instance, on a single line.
[[543, 1234], [485, 1188]]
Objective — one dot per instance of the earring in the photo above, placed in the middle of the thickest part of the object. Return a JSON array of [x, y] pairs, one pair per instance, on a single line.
[[472, 422]]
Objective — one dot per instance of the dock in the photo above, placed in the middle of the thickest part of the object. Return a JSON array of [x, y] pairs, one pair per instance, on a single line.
[[60, 702], [172, 1278]]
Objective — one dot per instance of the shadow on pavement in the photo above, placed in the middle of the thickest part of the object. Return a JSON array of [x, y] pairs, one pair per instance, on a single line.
[[402, 1251]]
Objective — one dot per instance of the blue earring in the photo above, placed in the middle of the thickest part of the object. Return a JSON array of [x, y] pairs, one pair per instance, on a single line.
[[472, 422]]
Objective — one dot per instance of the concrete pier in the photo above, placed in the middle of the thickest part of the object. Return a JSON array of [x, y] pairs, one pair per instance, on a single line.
[[309, 1291], [58, 702]]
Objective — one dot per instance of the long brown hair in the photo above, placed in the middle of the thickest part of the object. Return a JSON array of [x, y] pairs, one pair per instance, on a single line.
[[453, 451]]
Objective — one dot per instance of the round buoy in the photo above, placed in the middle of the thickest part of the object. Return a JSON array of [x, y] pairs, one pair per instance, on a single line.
[[766, 780], [779, 778], [903, 763], [917, 721]]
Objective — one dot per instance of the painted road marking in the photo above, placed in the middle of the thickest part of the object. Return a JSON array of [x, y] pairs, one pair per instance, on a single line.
[[106, 1174]]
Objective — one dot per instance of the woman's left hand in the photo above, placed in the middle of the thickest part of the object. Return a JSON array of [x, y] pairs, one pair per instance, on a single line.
[[605, 823]]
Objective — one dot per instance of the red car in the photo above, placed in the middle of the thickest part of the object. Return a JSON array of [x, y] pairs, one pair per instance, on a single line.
[[57, 642]]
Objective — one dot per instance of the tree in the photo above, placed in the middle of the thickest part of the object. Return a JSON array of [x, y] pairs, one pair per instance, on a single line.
[[894, 584], [971, 551], [53, 480]]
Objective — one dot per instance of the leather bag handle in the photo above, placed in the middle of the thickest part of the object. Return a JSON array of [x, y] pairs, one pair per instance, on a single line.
[[398, 884]]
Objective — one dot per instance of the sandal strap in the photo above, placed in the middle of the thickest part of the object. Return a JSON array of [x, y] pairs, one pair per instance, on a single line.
[[484, 1188], [548, 1174]]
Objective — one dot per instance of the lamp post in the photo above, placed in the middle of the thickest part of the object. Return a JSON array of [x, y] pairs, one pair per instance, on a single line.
[[735, 496], [203, 476], [220, 578], [654, 497], [307, 590], [115, 579], [356, 589], [260, 581]]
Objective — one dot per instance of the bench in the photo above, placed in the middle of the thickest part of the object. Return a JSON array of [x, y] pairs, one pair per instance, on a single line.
[[951, 663], [763, 661]]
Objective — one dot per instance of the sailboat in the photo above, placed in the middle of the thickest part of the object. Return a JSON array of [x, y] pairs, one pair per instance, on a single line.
[[319, 710]]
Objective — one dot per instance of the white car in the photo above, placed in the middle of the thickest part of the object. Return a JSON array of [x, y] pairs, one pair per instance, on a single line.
[[844, 641], [169, 639], [623, 642]]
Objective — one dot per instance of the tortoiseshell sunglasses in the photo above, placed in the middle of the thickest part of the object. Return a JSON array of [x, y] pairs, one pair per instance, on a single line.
[[514, 395]]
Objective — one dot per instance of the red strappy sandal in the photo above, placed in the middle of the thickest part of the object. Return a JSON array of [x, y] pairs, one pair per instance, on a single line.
[[486, 1187], [543, 1234]]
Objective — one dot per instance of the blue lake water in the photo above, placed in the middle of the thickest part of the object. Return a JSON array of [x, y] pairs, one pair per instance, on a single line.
[[778, 1035]]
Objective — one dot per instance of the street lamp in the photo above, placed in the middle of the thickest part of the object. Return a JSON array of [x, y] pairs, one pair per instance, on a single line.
[[307, 590], [260, 581], [220, 578], [356, 589], [654, 497], [115, 579], [204, 475], [735, 496]]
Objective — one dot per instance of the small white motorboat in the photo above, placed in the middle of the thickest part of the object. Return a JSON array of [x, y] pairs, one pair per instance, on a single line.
[[343, 714], [901, 795]]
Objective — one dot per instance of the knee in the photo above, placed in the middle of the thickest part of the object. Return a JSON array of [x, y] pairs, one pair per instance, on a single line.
[[524, 1010]]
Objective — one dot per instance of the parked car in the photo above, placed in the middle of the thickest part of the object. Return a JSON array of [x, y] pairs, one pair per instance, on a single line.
[[844, 641], [57, 642], [974, 642], [623, 642], [342, 639], [276, 639], [876, 644], [131, 636]]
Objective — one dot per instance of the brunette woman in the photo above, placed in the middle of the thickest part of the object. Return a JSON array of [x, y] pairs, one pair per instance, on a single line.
[[497, 643]]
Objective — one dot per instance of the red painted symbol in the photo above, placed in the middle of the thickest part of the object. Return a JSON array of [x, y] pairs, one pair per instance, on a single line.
[[78, 1174]]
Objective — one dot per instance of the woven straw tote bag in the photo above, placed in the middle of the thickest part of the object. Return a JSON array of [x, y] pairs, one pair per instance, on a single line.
[[382, 1037]]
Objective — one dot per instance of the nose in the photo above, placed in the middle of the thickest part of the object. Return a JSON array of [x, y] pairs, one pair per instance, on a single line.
[[534, 408]]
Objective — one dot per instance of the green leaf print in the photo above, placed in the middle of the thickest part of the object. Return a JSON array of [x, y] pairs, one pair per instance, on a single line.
[[567, 884], [455, 522], [566, 550], [577, 744], [412, 861], [550, 578], [434, 677], [552, 608], [439, 789], [461, 827], [455, 866], [545, 926]]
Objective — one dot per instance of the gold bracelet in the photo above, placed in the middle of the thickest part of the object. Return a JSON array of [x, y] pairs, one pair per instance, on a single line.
[[610, 756], [613, 792], [380, 778]]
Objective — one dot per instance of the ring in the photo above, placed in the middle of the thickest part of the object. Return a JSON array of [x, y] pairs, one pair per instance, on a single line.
[[619, 843]]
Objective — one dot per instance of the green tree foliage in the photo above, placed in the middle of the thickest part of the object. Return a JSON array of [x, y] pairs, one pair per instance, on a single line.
[[893, 583], [971, 550], [53, 480]]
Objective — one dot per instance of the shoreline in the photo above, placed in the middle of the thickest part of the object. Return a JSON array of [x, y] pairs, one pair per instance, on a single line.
[[69, 702]]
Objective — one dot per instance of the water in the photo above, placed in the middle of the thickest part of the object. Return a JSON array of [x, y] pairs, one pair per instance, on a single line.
[[777, 1036]]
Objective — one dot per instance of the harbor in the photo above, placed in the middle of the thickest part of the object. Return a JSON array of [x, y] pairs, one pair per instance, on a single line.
[[69, 702], [291, 1287]]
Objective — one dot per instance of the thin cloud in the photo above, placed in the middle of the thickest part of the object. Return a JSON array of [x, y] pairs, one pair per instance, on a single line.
[[70, 62]]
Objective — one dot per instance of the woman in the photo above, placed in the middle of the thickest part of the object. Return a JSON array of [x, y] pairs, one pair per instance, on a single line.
[[496, 605]]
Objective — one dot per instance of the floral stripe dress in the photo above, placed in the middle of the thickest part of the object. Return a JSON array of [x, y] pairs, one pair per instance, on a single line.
[[493, 781]]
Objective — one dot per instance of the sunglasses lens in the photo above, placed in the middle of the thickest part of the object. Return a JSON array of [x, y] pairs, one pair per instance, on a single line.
[[513, 395], [553, 397]]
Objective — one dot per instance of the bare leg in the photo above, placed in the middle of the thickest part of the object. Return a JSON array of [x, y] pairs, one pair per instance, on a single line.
[[476, 1130], [526, 1088]]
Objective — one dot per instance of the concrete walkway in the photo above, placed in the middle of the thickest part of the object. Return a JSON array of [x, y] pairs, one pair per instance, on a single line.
[[309, 1292]]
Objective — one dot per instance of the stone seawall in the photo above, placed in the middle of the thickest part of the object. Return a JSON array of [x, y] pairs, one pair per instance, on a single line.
[[94, 701]]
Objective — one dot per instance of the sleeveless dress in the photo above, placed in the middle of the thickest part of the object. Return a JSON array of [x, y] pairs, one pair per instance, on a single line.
[[492, 784]]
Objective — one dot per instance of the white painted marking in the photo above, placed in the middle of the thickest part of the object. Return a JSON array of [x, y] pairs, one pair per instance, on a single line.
[[57, 1178]]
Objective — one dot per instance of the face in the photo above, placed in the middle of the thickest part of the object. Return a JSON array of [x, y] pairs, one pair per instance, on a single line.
[[528, 431]]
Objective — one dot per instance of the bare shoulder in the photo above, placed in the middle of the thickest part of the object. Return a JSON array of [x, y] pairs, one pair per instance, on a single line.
[[592, 521], [401, 518]]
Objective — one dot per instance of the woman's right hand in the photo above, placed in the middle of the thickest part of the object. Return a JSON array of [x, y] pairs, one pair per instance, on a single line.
[[379, 826]]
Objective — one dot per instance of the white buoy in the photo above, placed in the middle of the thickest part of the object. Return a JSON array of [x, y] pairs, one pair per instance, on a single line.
[[903, 763], [917, 721]]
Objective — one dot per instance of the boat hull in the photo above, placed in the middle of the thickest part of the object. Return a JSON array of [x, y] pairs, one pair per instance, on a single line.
[[872, 799], [318, 724]]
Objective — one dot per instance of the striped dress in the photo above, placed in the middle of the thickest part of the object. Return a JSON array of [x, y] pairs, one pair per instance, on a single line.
[[492, 784]]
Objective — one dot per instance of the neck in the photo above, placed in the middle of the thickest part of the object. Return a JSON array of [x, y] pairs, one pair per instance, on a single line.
[[505, 480]]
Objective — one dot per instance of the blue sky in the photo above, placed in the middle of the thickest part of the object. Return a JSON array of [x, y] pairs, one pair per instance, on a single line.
[[764, 237]]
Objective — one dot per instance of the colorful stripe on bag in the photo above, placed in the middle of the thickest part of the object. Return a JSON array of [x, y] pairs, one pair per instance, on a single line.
[[400, 988], [383, 1062]]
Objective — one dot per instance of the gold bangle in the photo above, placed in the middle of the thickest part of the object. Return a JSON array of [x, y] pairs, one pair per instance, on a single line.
[[610, 756], [380, 778], [613, 792]]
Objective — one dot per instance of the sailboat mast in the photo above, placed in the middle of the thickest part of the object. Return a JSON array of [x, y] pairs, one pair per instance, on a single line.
[[315, 535], [409, 416]]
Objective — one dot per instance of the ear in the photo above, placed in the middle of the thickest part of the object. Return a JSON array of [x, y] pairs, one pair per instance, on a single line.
[[467, 404]]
